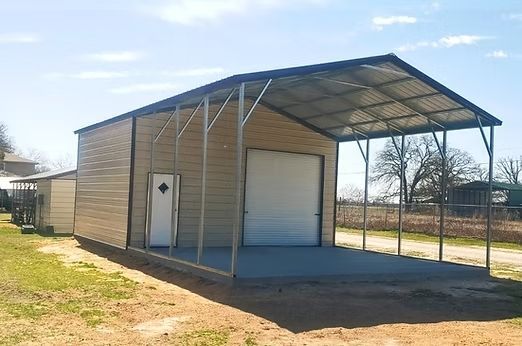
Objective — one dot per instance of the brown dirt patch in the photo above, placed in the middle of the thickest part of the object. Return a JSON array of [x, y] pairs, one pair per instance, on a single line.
[[171, 306]]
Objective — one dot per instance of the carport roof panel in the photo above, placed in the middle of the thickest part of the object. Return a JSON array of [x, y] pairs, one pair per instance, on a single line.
[[55, 174], [346, 100]]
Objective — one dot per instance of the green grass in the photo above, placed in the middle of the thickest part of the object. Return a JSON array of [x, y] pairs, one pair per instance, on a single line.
[[250, 341], [205, 337], [512, 287], [458, 241], [34, 285]]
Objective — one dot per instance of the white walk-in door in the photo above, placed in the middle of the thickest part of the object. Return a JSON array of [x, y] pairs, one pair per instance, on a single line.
[[161, 222], [282, 199]]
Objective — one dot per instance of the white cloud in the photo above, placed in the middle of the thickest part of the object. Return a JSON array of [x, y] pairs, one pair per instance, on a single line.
[[444, 42], [145, 87], [195, 72], [515, 16], [87, 75], [497, 54], [18, 38], [381, 22], [450, 41], [414, 46], [120, 56], [100, 75], [196, 12]]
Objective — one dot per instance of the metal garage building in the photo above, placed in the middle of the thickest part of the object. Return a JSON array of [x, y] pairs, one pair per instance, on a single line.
[[247, 166], [48, 197]]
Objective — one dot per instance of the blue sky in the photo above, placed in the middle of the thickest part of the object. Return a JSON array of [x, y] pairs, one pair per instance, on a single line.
[[67, 64]]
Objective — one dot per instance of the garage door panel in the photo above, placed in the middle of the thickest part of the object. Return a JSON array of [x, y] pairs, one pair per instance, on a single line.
[[282, 201]]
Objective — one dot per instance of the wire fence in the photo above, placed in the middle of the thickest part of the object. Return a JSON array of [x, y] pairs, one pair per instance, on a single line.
[[467, 221]]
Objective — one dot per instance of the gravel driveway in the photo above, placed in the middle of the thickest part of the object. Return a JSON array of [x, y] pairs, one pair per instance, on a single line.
[[472, 254]]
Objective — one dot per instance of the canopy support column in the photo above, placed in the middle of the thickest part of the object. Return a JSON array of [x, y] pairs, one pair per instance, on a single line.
[[401, 196], [239, 170], [442, 204], [175, 192], [366, 157], [490, 148], [400, 152], [201, 231], [490, 196], [443, 195], [242, 120], [151, 182]]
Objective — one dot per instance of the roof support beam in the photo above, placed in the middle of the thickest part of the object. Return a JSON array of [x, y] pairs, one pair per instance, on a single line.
[[385, 70], [488, 148], [348, 93], [351, 127], [343, 82], [379, 90], [247, 116], [164, 126], [221, 109], [399, 118], [297, 119], [191, 117], [376, 105]]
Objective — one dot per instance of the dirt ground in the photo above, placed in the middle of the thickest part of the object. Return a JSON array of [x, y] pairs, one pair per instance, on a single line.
[[169, 304]]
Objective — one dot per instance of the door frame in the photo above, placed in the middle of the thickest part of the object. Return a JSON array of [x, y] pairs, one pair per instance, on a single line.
[[178, 191], [321, 196]]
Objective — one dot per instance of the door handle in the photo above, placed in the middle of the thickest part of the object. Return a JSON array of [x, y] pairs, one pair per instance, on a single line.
[[317, 214]]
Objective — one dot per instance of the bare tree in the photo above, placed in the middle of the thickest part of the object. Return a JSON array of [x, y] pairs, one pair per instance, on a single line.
[[351, 194], [423, 169], [461, 168], [509, 170], [6, 144], [418, 155], [44, 163]]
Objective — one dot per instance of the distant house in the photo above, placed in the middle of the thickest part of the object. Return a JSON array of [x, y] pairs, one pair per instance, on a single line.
[[476, 192], [15, 166], [12, 166]]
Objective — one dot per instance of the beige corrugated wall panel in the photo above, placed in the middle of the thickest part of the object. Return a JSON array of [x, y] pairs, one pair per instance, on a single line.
[[104, 159], [43, 212], [265, 130], [62, 205]]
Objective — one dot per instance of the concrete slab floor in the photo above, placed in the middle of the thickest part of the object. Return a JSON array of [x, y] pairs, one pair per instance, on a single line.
[[323, 262]]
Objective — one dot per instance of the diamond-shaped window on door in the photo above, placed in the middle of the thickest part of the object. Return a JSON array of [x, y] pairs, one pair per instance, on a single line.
[[163, 188]]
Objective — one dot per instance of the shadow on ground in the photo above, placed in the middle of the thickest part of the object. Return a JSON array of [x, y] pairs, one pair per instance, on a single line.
[[312, 305]]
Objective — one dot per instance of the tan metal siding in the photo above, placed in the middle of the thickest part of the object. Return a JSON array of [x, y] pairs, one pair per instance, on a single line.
[[265, 130], [43, 211], [104, 157], [62, 205]]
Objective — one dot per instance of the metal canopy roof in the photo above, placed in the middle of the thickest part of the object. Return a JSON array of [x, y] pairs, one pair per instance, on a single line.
[[347, 100], [484, 186], [55, 174]]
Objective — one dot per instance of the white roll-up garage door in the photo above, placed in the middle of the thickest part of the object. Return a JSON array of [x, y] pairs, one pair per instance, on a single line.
[[282, 199]]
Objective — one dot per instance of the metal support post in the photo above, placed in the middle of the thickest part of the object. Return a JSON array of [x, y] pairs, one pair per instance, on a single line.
[[490, 196], [203, 180], [151, 182], [366, 178], [443, 195], [175, 192], [401, 194], [239, 171], [490, 148]]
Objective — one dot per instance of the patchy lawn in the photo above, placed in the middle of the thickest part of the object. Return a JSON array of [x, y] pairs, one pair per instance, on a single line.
[[54, 291]]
